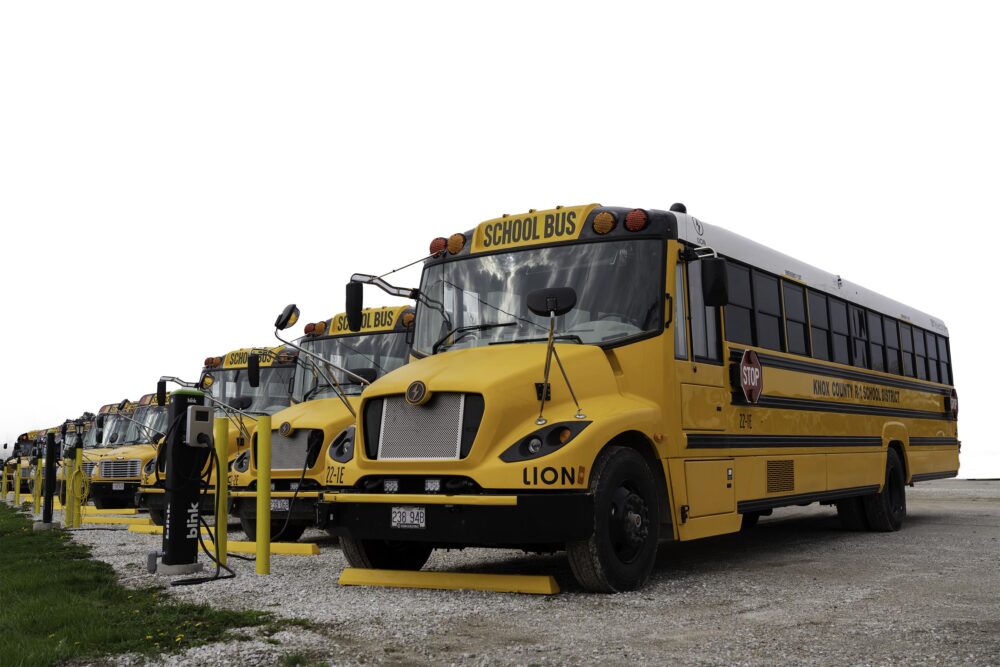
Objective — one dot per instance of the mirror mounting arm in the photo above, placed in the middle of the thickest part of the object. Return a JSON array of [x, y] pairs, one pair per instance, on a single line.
[[404, 292]]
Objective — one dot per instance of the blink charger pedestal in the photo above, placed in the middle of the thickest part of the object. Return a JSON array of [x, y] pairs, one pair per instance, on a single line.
[[187, 452], [50, 484]]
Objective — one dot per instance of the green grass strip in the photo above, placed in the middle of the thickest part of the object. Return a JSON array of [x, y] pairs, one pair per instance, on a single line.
[[59, 604]]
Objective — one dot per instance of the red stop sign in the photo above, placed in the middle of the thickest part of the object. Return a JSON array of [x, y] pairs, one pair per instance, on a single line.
[[751, 376]]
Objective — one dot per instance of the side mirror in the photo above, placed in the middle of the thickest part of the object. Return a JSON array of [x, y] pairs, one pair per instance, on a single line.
[[161, 393], [253, 370], [289, 316], [114, 439], [354, 303], [369, 374], [99, 425], [62, 432], [558, 300], [714, 281]]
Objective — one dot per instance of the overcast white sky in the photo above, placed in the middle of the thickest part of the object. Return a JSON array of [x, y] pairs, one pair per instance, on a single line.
[[172, 174]]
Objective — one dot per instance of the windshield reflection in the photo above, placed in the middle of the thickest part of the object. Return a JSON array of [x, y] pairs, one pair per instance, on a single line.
[[231, 386], [618, 286], [150, 423], [378, 352]]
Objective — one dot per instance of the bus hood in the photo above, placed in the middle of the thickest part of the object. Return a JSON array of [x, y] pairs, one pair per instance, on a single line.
[[510, 371]]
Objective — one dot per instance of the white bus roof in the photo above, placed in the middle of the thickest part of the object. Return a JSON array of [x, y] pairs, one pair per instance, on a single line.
[[742, 249]]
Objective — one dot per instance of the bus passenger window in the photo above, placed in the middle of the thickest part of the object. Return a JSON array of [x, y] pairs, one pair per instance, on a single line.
[[796, 322], [680, 322], [932, 358], [921, 352], [839, 331], [859, 337], [767, 310], [739, 328], [876, 341], [906, 340], [944, 361], [891, 346], [704, 320], [820, 325]]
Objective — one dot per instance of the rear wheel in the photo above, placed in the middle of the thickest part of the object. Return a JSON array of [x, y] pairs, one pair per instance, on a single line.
[[886, 510], [621, 551], [384, 554], [157, 517], [750, 520], [852, 513]]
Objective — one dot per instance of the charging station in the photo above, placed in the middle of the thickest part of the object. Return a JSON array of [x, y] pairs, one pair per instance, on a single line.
[[189, 444]]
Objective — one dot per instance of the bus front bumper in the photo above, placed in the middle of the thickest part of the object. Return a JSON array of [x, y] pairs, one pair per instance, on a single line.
[[458, 521], [123, 491]]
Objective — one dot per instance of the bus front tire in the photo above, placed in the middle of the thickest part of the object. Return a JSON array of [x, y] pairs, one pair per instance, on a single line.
[[621, 551], [383, 554], [291, 533], [886, 510], [157, 517]]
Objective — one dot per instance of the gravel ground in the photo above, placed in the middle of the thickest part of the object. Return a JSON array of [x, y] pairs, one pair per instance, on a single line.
[[795, 590]]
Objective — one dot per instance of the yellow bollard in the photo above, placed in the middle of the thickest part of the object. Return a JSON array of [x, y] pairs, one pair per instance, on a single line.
[[69, 492], [36, 489], [17, 485], [222, 487], [78, 482], [264, 494]]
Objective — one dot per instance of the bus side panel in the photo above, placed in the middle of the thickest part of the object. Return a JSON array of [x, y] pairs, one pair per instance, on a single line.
[[692, 528], [935, 460], [847, 471], [776, 475]]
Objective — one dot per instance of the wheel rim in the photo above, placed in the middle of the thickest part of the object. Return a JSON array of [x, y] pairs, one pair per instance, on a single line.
[[628, 522]]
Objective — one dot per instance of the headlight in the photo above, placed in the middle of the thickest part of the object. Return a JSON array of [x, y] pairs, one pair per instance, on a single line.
[[542, 442], [149, 467], [342, 447], [242, 462]]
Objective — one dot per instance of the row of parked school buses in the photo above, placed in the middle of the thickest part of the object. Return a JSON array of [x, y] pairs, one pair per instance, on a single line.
[[590, 379]]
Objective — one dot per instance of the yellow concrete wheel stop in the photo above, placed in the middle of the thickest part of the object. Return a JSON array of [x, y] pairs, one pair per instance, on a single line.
[[500, 583]]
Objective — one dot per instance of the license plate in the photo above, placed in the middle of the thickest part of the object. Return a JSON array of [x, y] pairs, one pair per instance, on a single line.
[[279, 504], [118, 486], [409, 517]]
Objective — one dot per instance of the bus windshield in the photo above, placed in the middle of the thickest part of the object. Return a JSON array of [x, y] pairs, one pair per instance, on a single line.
[[618, 284], [115, 429], [380, 352], [150, 424], [231, 385]]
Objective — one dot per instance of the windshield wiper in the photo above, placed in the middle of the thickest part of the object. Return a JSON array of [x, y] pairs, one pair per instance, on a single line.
[[316, 390], [466, 329], [572, 337]]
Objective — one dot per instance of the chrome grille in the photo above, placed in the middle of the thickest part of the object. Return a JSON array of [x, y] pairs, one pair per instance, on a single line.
[[88, 467], [120, 469], [289, 453], [421, 432]]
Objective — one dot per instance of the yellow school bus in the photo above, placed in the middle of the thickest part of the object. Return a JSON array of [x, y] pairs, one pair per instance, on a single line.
[[114, 469], [226, 380], [597, 379], [325, 397]]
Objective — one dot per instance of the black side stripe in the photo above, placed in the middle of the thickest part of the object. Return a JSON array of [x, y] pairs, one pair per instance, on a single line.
[[927, 442], [927, 476], [724, 441], [851, 408], [820, 369], [759, 504]]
